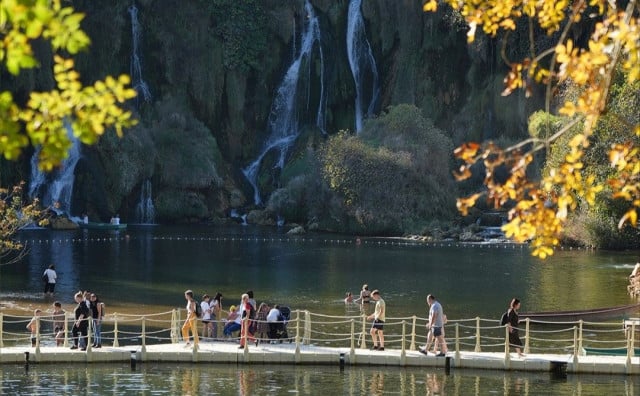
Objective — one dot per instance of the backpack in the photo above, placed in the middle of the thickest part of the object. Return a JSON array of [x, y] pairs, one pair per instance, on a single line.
[[198, 310], [505, 318]]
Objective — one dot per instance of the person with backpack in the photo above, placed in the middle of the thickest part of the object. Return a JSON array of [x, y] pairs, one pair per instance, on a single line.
[[512, 323], [192, 317]]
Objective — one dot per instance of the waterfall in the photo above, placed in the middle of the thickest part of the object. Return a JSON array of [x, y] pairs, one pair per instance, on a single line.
[[56, 188], [283, 125], [145, 211], [363, 65], [138, 83]]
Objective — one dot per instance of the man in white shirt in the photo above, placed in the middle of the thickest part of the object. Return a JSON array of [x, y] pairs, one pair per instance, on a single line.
[[49, 276]]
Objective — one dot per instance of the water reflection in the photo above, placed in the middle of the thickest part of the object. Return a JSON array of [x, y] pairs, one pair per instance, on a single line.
[[199, 379]]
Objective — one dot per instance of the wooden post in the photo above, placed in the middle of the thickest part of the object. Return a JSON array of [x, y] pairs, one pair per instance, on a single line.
[[457, 343], [526, 337], [575, 349], [307, 328], [66, 331], [580, 336], [115, 330], [297, 354], [412, 347], [1, 330], [174, 327], [89, 334], [143, 335], [363, 335], [37, 338], [507, 356], [403, 352], [477, 348], [352, 349]]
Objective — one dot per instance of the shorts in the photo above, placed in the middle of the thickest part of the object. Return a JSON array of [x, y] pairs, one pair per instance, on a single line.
[[437, 331], [206, 321], [378, 325]]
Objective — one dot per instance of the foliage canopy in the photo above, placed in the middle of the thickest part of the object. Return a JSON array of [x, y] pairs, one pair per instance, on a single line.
[[89, 110], [540, 208]]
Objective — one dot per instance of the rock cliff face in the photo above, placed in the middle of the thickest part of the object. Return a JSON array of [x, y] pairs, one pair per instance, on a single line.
[[212, 68]]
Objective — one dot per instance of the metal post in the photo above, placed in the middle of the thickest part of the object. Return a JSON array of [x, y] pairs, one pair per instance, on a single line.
[[477, 348], [1, 330]]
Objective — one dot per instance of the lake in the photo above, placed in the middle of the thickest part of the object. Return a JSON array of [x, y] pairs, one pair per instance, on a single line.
[[147, 269]]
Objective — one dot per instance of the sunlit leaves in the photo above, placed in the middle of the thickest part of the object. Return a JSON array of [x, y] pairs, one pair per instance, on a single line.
[[15, 214], [89, 110], [539, 209]]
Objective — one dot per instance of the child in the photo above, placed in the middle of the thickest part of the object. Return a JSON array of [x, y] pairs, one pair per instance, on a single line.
[[34, 327], [58, 323]]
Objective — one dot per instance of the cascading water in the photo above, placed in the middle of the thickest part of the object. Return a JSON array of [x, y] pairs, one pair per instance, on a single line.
[[138, 83], [284, 118], [363, 64], [145, 211], [55, 189]]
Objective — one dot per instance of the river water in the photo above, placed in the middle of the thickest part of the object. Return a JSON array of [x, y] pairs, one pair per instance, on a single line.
[[146, 269]]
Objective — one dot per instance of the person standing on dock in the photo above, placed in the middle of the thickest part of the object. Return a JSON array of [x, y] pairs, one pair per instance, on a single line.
[[80, 328], [514, 337], [190, 321], [378, 316], [34, 327], [59, 317]]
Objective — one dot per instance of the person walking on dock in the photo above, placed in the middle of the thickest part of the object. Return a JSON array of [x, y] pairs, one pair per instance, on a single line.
[[378, 316], [514, 337], [436, 324], [190, 322]]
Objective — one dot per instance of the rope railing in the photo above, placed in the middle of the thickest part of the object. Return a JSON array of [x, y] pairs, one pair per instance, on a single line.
[[309, 328]]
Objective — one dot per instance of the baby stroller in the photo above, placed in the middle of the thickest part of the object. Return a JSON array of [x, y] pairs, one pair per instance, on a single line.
[[279, 329]]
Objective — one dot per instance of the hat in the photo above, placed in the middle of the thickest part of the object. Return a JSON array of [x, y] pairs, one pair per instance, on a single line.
[[375, 292], [232, 308]]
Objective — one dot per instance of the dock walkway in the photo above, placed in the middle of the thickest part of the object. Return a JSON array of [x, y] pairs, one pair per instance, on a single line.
[[316, 339]]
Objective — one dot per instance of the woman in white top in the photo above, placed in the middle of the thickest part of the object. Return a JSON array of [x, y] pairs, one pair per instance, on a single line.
[[206, 316]]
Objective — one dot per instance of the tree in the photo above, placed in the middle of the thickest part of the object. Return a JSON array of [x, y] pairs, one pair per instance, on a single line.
[[540, 208], [15, 215], [43, 119]]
